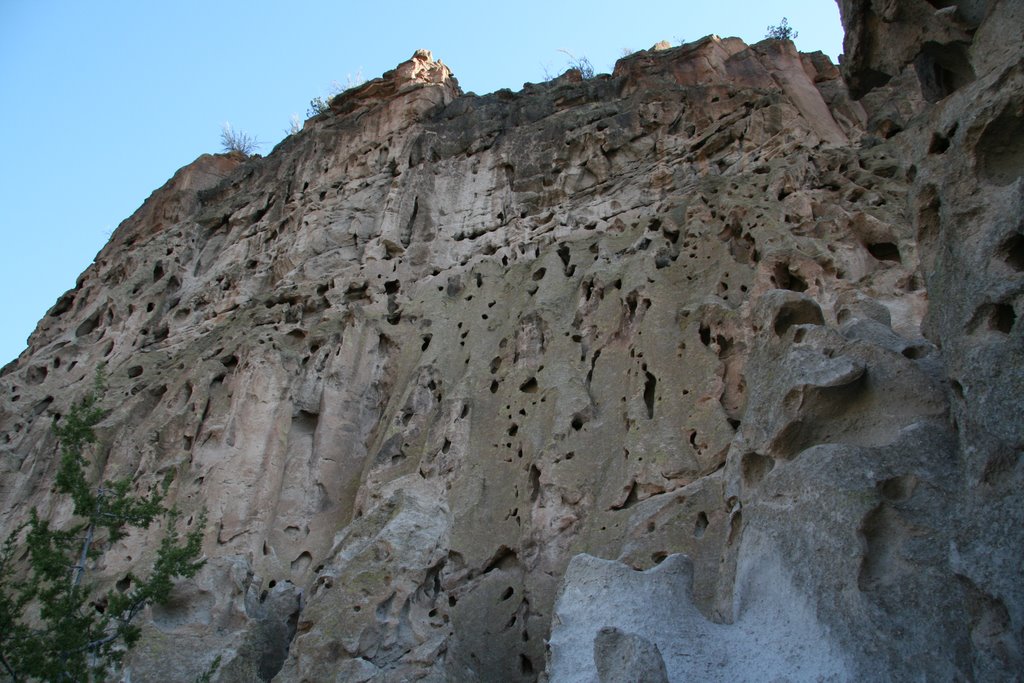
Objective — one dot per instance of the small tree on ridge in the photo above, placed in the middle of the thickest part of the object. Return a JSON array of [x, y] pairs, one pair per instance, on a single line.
[[782, 31]]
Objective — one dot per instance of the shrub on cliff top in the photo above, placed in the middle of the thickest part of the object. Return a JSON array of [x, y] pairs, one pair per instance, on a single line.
[[318, 105], [782, 31], [237, 141], [581, 64]]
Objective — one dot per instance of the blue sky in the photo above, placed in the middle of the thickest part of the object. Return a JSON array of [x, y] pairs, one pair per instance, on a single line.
[[101, 102]]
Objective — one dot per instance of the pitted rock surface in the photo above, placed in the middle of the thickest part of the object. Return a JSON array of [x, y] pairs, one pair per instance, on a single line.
[[435, 346]]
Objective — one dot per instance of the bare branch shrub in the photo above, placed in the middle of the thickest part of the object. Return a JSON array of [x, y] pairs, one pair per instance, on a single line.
[[581, 64], [354, 81], [237, 141]]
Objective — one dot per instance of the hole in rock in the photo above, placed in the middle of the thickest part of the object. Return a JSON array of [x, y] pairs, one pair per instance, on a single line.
[[799, 312], [62, 306], [916, 351], [885, 251], [754, 467], [958, 389], [1000, 149], [525, 665], [563, 254], [705, 335], [40, 406], [650, 384], [88, 325], [36, 374], [529, 386], [301, 563], [898, 489], [1011, 251], [701, 525], [939, 144], [1002, 318], [631, 303], [943, 69], [785, 278], [504, 558], [998, 317], [880, 534], [735, 526], [534, 483]]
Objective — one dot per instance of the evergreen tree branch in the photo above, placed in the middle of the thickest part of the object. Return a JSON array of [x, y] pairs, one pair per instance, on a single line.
[[49, 628]]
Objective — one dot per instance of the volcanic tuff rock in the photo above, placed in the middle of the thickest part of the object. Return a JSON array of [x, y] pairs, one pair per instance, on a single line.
[[436, 346]]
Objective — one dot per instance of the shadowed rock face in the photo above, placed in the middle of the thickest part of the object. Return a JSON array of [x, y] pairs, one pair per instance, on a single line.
[[436, 345], [966, 204]]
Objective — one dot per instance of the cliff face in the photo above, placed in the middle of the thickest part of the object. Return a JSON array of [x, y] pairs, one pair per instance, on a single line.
[[707, 317]]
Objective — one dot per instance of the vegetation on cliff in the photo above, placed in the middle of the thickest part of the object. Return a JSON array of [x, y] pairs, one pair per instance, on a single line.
[[54, 625]]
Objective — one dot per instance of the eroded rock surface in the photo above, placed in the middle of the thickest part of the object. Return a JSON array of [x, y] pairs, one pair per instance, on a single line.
[[436, 345], [614, 624]]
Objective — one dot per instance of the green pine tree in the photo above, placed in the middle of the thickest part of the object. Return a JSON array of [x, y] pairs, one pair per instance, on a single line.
[[53, 625], [781, 31]]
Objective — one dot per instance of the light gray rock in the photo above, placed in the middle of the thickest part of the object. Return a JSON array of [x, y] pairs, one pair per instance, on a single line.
[[775, 635], [627, 658]]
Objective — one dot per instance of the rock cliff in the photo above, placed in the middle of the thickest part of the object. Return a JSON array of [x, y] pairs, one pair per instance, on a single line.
[[703, 369]]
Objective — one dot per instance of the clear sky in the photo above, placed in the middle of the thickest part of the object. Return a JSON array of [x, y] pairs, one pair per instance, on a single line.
[[102, 101]]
